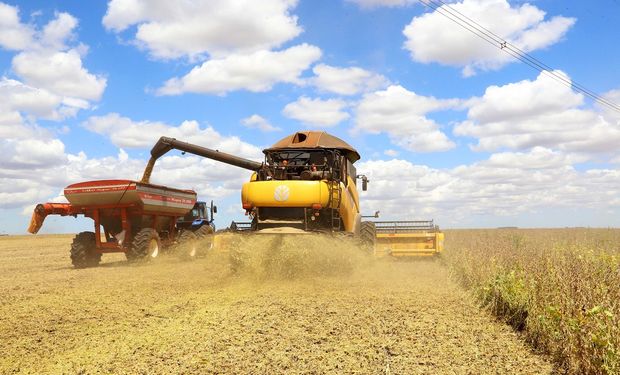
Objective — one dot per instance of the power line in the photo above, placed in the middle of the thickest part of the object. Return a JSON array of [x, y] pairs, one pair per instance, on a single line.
[[487, 35], [524, 56], [497, 41]]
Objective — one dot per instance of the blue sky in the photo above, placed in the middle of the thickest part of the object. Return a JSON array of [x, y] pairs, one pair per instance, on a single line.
[[448, 127]]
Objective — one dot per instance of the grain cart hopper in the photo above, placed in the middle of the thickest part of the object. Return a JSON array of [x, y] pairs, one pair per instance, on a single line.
[[306, 183], [408, 238], [138, 219]]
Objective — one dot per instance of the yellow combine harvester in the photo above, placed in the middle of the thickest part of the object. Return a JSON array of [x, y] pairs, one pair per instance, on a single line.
[[408, 238], [307, 183]]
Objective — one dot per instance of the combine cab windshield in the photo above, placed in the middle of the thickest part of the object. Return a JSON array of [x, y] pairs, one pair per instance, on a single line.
[[297, 158], [302, 164]]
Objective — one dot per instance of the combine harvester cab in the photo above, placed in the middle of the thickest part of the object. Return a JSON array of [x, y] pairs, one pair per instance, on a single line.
[[138, 219], [402, 239]]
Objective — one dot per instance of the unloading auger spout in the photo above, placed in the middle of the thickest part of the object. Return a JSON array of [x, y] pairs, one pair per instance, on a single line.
[[165, 144]]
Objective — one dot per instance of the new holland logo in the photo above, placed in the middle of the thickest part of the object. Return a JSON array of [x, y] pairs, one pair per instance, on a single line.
[[281, 194]]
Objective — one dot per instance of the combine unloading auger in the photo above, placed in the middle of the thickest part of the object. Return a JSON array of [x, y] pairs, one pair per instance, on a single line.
[[165, 144]]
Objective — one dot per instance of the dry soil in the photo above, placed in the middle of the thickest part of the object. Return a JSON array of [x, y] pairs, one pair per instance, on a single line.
[[174, 316]]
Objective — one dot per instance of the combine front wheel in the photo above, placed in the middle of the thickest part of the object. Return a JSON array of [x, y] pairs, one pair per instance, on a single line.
[[368, 236], [146, 245], [84, 251]]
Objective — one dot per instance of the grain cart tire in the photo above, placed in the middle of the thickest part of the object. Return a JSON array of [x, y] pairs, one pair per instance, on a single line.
[[368, 236], [205, 236], [188, 244], [146, 245], [84, 251]]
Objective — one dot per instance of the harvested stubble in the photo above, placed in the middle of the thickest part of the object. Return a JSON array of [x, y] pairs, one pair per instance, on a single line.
[[284, 314], [560, 287]]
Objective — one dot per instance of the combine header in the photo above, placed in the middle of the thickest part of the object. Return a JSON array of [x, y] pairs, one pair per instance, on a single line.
[[408, 238]]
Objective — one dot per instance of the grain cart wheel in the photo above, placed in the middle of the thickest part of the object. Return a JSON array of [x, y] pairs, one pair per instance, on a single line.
[[205, 235], [146, 245], [368, 236], [188, 244], [84, 251]]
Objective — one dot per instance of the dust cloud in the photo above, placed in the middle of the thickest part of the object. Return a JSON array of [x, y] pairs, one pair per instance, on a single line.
[[290, 257]]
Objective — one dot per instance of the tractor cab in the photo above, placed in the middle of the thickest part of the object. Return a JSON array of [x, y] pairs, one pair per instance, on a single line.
[[198, 216]]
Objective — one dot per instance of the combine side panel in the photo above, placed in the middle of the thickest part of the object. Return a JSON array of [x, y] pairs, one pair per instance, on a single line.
[[408, 238]]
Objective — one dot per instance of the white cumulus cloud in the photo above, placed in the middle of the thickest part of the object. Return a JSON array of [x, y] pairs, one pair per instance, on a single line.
[[18, 97], [433, 37], [382, 3], [256, 72], [507, 184], [402, 115], [317, 112], [49, 65], [346, 81], [538, 112], [173, 29], [127, 133], [14, 35], [258, 122], [60, 72]]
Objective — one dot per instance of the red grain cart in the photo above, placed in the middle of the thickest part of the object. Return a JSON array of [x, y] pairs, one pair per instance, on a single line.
[[138, 219]]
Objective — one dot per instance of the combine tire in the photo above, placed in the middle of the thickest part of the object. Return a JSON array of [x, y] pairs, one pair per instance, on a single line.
[[205, 236], [368, 236], [145, 246], [84, 252], [188, 244]]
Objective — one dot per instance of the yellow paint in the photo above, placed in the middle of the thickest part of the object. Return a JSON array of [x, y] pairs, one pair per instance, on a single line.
[[409, 244], [300, 193], [292, 193]]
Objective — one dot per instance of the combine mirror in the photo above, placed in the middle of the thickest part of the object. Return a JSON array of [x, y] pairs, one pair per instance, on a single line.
[[365, 181]]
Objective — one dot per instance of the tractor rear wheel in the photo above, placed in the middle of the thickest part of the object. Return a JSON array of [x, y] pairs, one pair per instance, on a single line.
[[187, 244], [205, 236], [84, 251], [145, 246], [368, 236]]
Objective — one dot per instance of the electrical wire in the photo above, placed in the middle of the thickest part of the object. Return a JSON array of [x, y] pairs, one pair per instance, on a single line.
[[487, 35], [522, 55]]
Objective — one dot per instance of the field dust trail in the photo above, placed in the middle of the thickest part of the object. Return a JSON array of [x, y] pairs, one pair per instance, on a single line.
[[279, 313]]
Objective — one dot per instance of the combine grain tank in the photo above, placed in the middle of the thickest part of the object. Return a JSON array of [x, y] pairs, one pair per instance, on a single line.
[[138, 219]]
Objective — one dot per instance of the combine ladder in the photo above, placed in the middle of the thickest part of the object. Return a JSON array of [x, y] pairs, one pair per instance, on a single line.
[[335, 199]]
